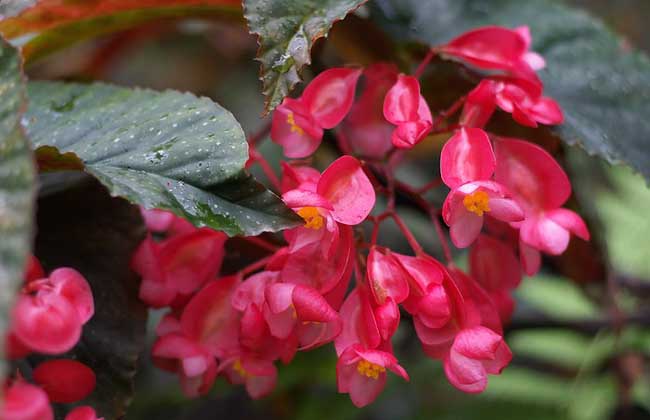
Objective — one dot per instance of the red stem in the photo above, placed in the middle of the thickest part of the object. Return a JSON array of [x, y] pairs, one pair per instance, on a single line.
[[417, 248], [425, 62], [256, 266], [261, 243]]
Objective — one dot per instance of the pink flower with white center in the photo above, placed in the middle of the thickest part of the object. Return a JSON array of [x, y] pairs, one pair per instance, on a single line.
[[514, 96], [365, 130], [24, 401], [467, 163], [475, 353], [298, 124], [540, 187], [362, 373], [343, 195], [178, 266], [405, 107], [497, 48]]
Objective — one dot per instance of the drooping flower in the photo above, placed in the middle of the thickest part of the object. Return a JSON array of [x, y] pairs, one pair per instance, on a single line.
[[359, 323], [497, 48], [405, 107], [514, 96], [300, 310], [65, 380], [298, 124], [365, 130], [540, 187], [386, 277], [362, 373], [475, 353], [177, 266], [467, 163]]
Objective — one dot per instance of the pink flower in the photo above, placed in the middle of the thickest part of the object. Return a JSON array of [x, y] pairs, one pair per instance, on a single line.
[[50, 312], [432, 293], [467, 163], [83, 412], [298, 123], [365, 129], [514, 96], [326, 265], [540, 187], [407, 109], [163, 221], [386, 277], [177, 266], [23, 401], [362, 373], [359, 323], [475, 353], [343, 195], [193, 363], [209, 318], [494, 265], [65, 380], [497, 48], [258, 375], [303, 311]]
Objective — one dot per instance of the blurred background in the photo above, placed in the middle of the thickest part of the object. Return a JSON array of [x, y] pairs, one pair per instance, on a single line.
[[567, 364]]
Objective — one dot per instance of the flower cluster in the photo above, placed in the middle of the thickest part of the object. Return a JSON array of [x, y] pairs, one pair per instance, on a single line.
[[505, 203], [48, 318]]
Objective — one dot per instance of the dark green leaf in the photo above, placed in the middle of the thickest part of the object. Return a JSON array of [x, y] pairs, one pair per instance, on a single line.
[[165, 150], [85, 228], [17, 174], [602, 84], [286, 31]]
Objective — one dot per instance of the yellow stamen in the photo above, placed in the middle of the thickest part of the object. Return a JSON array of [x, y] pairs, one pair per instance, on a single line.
[[313, 219], [370, 370], [477, 202], [295, 128], [240, 369]]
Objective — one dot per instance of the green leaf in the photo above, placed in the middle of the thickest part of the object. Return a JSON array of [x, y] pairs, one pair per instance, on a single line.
[[286, 31], [83, 227], [556, 297], [166, 150], [602, 85], [54, 24], [17, 187]]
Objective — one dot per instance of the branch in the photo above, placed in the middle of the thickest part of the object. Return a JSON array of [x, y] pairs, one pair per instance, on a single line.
[[584, 326]]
